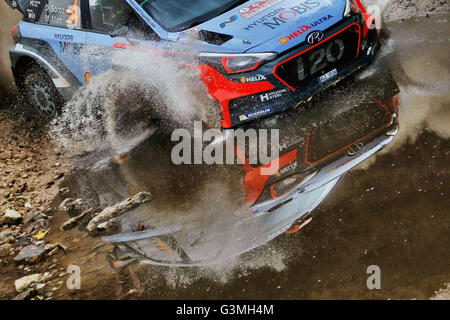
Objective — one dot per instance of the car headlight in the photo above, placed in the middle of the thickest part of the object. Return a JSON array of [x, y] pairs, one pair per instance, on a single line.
[[237, 63]]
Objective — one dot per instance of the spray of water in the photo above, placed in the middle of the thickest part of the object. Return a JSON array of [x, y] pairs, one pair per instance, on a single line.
[[423, 80], [119, 109], [266, 257]]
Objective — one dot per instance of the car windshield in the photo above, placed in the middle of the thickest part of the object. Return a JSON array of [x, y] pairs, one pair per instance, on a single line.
[[177, 15]]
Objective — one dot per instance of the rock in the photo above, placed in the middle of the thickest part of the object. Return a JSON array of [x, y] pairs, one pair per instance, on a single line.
[[27, 281], [22, 188], [38, 224], [50, 183], [31, 217], [107, 225], [63, 247], [40, 287], [58, 176], [73, 222], [50, 246], [4, 249], [12, 217], [5, 155], [5, 234], [25, 295], [53, 252], [71, 206], [30, 254], [69, 224], [64, 192], [118, 209]]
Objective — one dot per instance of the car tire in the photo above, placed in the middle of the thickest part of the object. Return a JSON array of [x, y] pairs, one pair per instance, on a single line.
[[39, 92]]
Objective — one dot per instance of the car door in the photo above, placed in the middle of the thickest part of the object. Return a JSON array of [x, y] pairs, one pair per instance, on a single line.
[[112, 25], [60, 25]]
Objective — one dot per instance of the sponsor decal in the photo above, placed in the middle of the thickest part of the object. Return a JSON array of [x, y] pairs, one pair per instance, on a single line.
[[328, 76], [256, 8], [67, 47], [355, 149], [295, 34], [352, 152], [272, 95], [321, 20], [63, 37], [256, 78], [280, 16], [288, 168], [255, 114], [288, 144], [87, 77], [316, 35], [230, 20]]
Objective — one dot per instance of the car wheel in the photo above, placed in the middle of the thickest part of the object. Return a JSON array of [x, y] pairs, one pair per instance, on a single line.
[[40, 93]]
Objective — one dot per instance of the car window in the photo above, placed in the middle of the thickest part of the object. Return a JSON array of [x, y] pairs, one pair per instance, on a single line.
[[62, 13], [115, 17]]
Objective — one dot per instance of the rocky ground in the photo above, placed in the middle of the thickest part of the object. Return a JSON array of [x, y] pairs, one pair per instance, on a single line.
[[32, 167], [39, 240]]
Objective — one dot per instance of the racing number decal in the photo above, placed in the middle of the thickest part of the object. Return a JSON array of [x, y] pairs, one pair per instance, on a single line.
[[72, 20], [320, 59], [340, 50]]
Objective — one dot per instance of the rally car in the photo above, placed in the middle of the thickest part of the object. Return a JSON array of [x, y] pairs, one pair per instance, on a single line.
[[256, 58]]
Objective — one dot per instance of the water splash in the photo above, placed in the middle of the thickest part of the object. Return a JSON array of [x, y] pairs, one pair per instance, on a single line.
[[119, 109]]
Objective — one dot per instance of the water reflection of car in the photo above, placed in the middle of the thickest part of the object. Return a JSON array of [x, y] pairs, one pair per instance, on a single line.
[[256, 58], [349, 127]]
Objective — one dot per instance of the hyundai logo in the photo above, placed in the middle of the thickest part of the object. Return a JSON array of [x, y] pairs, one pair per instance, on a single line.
[[315, 37], [355, 149]]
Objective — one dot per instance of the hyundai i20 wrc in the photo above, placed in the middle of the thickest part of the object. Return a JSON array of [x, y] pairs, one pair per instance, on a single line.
[[256, 58]]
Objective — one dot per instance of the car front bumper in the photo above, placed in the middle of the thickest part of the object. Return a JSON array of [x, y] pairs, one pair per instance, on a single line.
[[248, 96]]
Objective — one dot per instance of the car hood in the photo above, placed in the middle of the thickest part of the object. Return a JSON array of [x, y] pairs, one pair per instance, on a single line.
[[274, 25]]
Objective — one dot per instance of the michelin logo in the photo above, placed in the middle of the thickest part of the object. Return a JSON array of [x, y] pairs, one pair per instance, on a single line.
[[259, 113]]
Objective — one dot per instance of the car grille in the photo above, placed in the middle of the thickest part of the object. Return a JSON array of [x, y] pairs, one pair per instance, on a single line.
[[312, 63]]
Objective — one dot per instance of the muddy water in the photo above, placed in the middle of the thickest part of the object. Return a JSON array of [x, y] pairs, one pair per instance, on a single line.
[[393, 212]]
